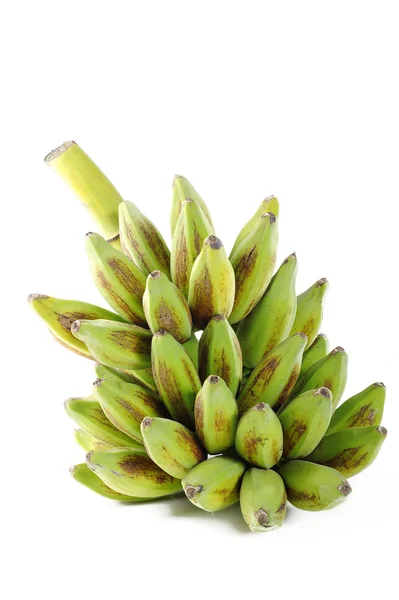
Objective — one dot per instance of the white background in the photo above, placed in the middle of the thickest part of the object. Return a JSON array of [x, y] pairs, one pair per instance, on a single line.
[[245, 99]]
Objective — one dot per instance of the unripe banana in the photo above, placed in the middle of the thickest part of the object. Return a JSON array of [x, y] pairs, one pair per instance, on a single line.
[[171, 446], [362, 410], [141, 377], [263, 499], [87, 442], [259, 438], [182, 189], [88, 414], [118, 345], [141, 240], [166, 308], [126, 405], [313, 487], [82, 474], [216, 415], [350, 451], [253, 263], [59, 315], [305, 421], [215, 483], [274, 378], [309, 312], [118, 279], [315, 352], [191, 230], [330, 372], [175, 376], [271, 320], [219, 353], [268, 205], [132, 472], [191, 347], [211, 290]]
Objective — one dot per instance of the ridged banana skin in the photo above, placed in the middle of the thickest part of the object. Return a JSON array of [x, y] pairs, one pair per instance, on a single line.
[[313, 487], [362, 410], [273, 379], [315, 352], [263, 499], [330, 372], [350, 451], [271, 320], [166, 308], [259, 437], [219, 353], [253, 263], [309, 312], [212, 283], [305, 421], [191, 348], [215, 483], [87, 442], [175, 376], [268, 205], [117, 345], [59, 314], [216, 415], [173, 447], [182, 189], [117, 278], [132, 472], [126, 405], [82, 474], [191, 230], [141, 240], [88, 414]]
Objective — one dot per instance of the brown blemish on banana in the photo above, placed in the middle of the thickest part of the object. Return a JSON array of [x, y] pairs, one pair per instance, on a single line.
[[126, 278], [171, 392], [283, 504], [202, 303], [155, 242], [110, 290], [289, 386], [67, 319], [189, 442], [221, 421], [302, 497], [199, 416], [347, 460], [182, 263], [259, 383], [276, 450], [131, 341], [139, 465], [168, 320], [262, 518], [363, 418], [251, 444], [293, 435]]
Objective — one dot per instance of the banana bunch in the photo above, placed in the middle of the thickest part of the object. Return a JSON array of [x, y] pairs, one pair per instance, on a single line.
[[212, 378]]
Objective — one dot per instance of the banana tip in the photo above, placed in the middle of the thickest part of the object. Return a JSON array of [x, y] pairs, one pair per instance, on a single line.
[[72, 469], [260, 406], [146, 422], [33, 297], [58, 151], [160, 333], [75, 326], [321, 282], [214, 242], [262, 517], [192, 490], [382, 430], [155, 274], [97, 382], [213, 379], [345, 489], [323, 391], [338, 350], [380, 384]]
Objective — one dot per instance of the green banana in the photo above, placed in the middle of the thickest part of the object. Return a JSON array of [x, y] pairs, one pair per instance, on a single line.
[[211, 290], [141, 377], [305, 421], [271, 320], [88, 414], [219, 353], [216, 415], [274, 378], [191, 230], [315, 352], [59, 315], [175, 377], [132, 472], [253, 263], [215, 483], [330, 372], [313, 487], [171, 446], [82, 474], [166, 308], [118, 279], [362, 410], [126, 405], [263, 499], [87, 442], [182, 189], [259, 437], [118, 345], [141, 240], [309, 312], [350, 451], [268, 205], [191, 347]]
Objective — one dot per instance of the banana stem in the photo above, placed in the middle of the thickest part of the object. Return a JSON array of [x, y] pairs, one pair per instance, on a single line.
[[89, 183]]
